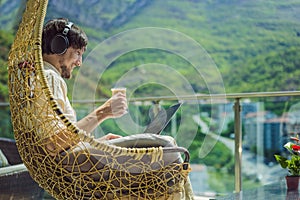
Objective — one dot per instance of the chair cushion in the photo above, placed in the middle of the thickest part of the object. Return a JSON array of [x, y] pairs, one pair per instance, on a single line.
[[3, 160], [144, 140]]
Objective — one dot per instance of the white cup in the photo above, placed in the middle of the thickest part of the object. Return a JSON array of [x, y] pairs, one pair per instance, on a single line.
[[117, 90]]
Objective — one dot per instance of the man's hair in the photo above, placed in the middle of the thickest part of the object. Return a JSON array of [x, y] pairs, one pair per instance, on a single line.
[[77, 38]]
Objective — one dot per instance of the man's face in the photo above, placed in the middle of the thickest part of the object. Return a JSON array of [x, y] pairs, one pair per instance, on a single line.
[[69, 60]]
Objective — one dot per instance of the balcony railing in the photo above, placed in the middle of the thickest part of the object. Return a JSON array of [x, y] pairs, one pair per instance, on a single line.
[[237, 97]]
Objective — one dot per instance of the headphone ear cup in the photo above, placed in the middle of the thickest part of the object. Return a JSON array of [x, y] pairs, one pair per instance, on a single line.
[[59, 44]]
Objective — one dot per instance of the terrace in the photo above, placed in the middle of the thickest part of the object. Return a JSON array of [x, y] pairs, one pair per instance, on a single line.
[[232, 137]]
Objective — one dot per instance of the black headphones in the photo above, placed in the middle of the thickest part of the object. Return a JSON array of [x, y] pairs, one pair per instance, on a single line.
[[60, 42]]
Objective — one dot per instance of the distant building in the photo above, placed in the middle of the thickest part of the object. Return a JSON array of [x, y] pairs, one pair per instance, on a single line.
[[266, 134], [247, 107], [275, 136], [253, 130]]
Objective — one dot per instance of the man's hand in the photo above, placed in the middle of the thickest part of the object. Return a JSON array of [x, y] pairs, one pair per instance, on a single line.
[[115, 107], [109, 136]]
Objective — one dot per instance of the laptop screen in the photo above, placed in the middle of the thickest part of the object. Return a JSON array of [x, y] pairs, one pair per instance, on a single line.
[[162, 119]]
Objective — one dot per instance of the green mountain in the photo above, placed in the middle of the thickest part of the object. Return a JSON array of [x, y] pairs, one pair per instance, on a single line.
[[253, 44]]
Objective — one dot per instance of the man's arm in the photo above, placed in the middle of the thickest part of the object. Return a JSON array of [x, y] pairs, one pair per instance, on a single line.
[[61, 141], [115, 107]]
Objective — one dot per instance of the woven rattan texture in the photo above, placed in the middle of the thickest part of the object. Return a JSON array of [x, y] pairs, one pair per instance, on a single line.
[[77, 167]]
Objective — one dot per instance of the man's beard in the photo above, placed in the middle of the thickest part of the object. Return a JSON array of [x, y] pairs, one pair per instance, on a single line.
[[65, 73]]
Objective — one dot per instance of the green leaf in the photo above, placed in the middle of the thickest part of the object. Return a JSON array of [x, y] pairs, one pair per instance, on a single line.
[[282, 161]]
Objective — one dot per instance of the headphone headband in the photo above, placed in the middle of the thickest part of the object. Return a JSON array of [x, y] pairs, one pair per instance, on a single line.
[[67, 28]]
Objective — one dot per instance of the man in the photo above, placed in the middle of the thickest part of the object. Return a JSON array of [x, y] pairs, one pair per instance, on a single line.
[[63, 45]]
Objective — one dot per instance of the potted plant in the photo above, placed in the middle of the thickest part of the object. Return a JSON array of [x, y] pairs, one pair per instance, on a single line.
[[291, 163]]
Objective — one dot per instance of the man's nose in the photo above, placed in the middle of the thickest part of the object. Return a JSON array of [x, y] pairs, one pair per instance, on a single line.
[[79, 62]]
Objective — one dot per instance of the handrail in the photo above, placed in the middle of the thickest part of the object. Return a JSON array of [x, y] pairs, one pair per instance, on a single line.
[[204, 96], [3, 104], [195, 97]]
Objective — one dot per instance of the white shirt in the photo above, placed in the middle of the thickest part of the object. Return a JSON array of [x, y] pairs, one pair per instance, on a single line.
[[59, 90]]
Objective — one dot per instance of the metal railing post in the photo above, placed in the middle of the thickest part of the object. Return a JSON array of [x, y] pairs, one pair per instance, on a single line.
[[238, 145]]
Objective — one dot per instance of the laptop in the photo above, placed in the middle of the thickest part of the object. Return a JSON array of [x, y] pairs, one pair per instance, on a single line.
[[150, 136], [162, 119]]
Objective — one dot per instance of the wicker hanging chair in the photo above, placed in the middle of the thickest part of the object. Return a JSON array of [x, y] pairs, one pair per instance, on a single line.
[[85, 168]]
